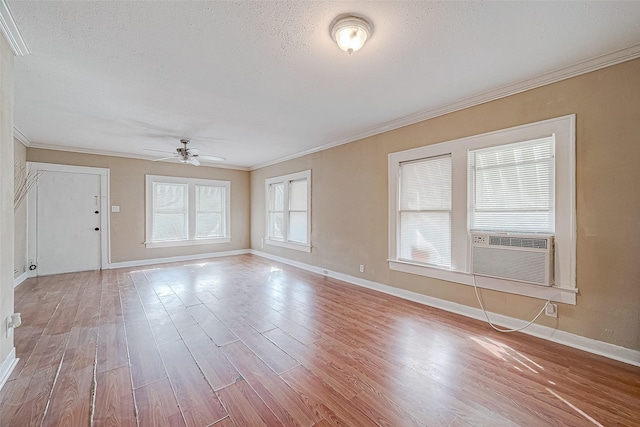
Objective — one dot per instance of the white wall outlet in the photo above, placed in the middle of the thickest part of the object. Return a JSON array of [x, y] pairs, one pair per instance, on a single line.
[[115, 208], [361, 268], [551, 310]]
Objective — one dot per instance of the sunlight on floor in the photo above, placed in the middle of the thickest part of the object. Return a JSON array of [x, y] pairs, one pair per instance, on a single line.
[[578, 410], [506, 353]]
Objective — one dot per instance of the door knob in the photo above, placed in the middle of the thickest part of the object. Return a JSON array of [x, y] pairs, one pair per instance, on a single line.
[[97, 212], [97, 229]]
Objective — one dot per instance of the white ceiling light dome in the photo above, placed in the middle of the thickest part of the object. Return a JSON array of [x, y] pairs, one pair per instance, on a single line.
[[351, 32]]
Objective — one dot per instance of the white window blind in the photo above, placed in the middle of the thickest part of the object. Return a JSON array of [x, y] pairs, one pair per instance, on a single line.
[[169, 211], [276, 211], [210, 208], [511, 187], [298, 211], [425, 211]]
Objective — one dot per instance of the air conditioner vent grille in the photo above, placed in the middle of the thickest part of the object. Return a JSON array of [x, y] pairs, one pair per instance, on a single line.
[[518, 242]]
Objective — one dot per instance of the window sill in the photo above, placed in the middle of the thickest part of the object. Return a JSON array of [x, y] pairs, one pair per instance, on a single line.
[[174, 243], [289, 245], [553, 293]]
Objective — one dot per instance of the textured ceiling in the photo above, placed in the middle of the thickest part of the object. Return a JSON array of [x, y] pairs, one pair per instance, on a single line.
[[260, 81]]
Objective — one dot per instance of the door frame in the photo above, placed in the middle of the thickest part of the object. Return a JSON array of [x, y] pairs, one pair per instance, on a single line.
[[32, 209]]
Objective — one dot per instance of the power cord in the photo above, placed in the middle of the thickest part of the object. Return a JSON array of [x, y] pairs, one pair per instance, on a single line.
[[487, 316]]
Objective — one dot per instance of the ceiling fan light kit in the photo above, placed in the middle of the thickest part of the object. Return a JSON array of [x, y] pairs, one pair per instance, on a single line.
[[350, 32]]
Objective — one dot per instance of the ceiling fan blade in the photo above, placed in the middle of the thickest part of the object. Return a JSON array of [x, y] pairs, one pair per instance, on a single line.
[[212, 158], [193, 151], [194, 161], [158, 151], [164, 158]]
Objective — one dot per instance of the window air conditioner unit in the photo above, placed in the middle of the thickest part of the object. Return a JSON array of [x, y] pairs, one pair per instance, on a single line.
[[521, 257]]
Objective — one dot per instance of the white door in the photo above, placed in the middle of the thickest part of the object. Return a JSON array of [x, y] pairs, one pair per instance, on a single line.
[[68, 222]]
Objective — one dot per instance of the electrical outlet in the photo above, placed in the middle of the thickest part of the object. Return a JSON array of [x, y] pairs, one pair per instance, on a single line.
[[551, 310], [361, 268]]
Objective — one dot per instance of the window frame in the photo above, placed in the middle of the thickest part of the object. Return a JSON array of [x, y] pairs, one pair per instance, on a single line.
[[191, 184], [286, 181], [564, 290]]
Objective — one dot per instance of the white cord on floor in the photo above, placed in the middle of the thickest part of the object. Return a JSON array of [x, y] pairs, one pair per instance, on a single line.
[[505, 330]]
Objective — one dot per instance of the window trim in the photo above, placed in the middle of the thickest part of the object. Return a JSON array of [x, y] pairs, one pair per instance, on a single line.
[[565, 221], [286, 180], [191, 211]]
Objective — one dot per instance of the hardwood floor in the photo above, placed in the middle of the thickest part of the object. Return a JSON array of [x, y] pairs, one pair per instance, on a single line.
[[243, 341]]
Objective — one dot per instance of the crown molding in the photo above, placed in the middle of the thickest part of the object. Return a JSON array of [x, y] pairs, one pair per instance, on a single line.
[[118, 154], [593, 64], [17, 134], [11, 32]]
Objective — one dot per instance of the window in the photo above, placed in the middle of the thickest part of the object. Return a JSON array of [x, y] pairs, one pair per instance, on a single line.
[[520, 179], [511, 187], [288, 211], [425, 211], [186, 211]]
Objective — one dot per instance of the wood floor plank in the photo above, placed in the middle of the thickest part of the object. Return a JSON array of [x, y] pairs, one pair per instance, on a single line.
[[114, 403], [340, 379], [157, 405], [161, 324], [47, 353], [112, 346], [186, 295], [24, 400], [144, 357], [299, 332], [198, 402], [285, 403], [271, 354], [226, 422], [245, 407], [213, 363], [324, 399], [383, 411], [71, 401], [212, 326], [181, 317]]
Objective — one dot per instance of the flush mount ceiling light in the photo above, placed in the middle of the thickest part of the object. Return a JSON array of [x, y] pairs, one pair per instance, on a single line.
[[350, 32]]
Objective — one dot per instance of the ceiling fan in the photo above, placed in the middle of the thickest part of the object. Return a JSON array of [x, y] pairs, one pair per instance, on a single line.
[[188, 155]]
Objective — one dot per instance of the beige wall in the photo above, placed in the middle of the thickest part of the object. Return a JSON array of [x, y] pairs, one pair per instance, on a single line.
[[6, 195], [20, 225], [127, 190], [349, 201]]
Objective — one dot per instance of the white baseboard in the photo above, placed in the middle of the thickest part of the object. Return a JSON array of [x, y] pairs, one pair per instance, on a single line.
[[6, 367], [142, 262], [21, 278], [590, 345]]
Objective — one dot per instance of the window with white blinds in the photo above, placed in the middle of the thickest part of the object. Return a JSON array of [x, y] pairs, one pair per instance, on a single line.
[[276, 211], [511, 187], [210, 211], [169, 211], [186, 211], [425, 211], [288, 211], [298, 210], [519, 180]]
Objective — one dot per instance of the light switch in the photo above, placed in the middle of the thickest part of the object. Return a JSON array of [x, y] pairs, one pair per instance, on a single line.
[[115, 208]]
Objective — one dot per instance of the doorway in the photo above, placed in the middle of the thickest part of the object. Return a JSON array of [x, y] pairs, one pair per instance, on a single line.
[[69, 219]]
